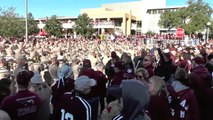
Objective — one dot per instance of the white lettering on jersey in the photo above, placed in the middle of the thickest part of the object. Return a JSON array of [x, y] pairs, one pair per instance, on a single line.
[[66, 116]]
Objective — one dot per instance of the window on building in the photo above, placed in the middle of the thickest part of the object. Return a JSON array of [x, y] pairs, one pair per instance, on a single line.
[[139, 24], [160, 11], [154, 11]]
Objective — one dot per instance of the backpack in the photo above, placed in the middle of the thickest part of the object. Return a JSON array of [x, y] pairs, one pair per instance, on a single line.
[[177, 104]]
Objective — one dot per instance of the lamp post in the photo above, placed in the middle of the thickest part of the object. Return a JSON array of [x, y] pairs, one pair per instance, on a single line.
[[208, 24], [26, 21]]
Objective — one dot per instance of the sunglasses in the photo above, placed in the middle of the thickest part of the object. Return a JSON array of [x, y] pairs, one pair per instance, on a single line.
[[138, 77]]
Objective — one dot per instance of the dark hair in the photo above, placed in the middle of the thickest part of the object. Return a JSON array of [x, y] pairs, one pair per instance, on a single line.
[[210, 57], [182, 76], [5, 82]]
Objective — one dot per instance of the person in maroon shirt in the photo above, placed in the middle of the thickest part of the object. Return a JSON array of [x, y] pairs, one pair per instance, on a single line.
[[201, 83], [158, 105], [147, 64], [119, 72], [117, 79], [182, 99], [24, 104], [73, 107], [65, 83]]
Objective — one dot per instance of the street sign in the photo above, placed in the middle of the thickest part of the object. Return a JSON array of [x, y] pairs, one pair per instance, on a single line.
[[180, 32]]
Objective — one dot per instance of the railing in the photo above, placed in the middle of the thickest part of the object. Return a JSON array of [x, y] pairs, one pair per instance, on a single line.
[[103, 24]]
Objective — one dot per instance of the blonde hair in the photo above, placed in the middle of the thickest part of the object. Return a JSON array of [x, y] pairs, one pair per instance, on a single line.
[[160, 86]]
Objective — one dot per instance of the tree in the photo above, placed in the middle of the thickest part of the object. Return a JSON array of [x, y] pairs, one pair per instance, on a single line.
[[169, 19], [32, 25], [11, 24], [199, 14], [53, 26], [192, 18], [83, 26]]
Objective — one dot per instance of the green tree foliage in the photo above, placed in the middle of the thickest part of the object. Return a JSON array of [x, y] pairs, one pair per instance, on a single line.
[[192, 18], [169, 19], [53, 26], [83, 26], [11, 24], [32, 25]]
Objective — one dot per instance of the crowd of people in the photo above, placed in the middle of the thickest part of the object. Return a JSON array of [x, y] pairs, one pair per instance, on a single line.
[[61, 79]]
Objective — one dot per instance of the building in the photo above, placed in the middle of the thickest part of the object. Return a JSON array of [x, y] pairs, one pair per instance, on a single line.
[[152, 18], [126, 18]]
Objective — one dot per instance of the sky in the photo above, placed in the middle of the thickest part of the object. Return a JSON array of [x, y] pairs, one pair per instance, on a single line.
[[69, 8]]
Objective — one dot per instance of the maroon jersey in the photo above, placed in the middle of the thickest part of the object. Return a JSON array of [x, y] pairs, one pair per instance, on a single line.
[[183, 104], [71, 107], [22, 106], [59, 91]]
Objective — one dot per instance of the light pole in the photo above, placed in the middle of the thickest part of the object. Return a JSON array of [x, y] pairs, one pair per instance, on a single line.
[[26, 21], [208, 24]]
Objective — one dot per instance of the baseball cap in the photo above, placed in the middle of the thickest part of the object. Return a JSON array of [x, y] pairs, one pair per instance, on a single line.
[[64, 71], [24, 77], [83, 82], [36, 78], [198, 60]]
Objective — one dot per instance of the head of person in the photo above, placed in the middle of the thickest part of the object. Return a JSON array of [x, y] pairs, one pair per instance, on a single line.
[[38, 85], [114, 55], [87, 63], [142, 75], [65, 72], [53, 58], [23, 79], [126, 58], [118, 66], [83, 84], [2, 61], [4, 115], [100, 66], [167, 56], [5, 86], [37, 67], [157, 86], [36, 81], [198, 60], [210, 58], [133, 105], [181, 75], [21, 60], [147, 60], [128, 75]]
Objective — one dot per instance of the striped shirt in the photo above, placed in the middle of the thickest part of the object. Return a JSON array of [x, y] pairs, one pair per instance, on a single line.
[[70, 107]]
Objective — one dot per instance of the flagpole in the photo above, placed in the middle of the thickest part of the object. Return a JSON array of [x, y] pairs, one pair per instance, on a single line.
[[26, 20]]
